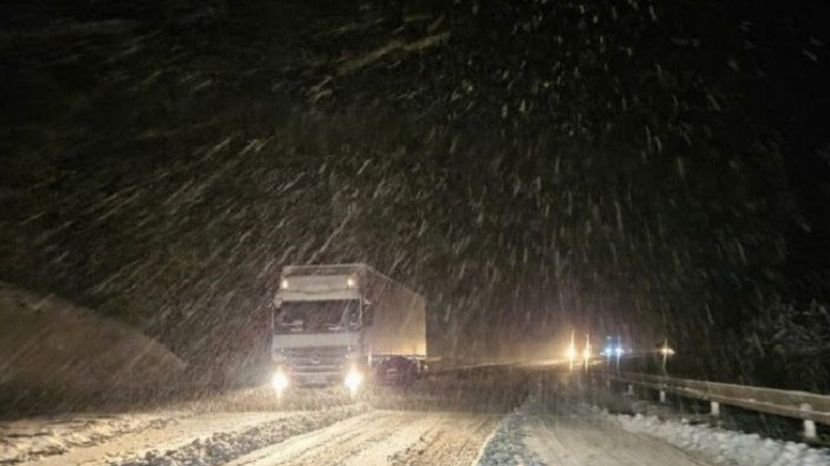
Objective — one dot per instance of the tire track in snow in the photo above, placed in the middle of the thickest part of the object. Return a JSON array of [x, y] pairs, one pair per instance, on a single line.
[[382, 438], [457, 440]]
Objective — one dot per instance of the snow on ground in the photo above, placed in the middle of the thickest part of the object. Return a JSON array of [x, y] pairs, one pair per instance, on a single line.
[[30, 439], [723, 446], [553, 427], [217, 428], [384, 438], [244, 427], [532, 437], [222, 447], [506, 446], [263, 399], [570, 439], [170, 437], [86, 436]]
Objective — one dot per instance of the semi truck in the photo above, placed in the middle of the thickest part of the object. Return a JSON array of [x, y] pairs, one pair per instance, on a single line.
[[339, 324]]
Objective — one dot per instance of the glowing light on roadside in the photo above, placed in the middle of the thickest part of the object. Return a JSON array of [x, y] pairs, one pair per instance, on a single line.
[[619, 351], [353, 380], [570, 353], [586, 353], [284, 284], [351, 282], [666, 351], [279, 381]]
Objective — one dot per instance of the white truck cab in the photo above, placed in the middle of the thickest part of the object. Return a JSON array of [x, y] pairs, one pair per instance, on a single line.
[[333, 323]]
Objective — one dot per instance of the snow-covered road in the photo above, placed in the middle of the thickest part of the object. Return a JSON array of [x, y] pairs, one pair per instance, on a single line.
[[570, 433], [165, 438], [172, 436], [385, 437], [352, 436], [574, 441], [437, 428]]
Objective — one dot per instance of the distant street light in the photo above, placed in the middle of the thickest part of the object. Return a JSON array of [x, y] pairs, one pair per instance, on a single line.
[[571, 352], [612, 350], [586, 353], [619, 351], [666, 351], [608, 352]]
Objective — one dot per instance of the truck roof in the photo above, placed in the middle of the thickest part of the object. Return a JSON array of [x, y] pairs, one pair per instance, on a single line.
[[324, 269], [335, 269]]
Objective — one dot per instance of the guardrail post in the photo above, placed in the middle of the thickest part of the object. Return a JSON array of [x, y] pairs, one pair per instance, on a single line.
[[809, 424], [811, 409]]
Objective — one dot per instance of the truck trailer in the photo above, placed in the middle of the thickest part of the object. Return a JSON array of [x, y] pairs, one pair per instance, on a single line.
[[336, 324]]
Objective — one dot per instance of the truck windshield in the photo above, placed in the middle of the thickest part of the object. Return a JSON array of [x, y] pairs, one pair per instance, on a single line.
[[314, 316]]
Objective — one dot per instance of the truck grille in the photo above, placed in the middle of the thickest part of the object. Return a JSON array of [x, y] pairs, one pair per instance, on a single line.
[[326, 360]]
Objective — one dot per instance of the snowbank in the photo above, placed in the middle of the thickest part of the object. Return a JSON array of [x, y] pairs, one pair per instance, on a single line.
[[51, 346], [723, 446]]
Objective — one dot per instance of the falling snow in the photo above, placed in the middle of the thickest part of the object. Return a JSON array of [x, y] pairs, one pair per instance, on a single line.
[[646, 168]]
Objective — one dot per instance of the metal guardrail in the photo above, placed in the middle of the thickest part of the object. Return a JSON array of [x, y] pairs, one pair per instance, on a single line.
[[810, 407]]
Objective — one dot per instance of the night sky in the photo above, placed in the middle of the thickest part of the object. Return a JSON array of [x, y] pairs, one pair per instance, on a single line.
[[654, 169]]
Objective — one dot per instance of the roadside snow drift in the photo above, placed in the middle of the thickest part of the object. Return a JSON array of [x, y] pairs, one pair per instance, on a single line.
[[725, 446], [571, 433], [51, 346]]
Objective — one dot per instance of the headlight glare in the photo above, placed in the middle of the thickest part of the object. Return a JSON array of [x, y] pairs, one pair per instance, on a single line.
[[353, 380], [279, 380]]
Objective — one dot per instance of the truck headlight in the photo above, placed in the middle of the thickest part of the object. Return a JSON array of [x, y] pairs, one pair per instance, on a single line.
[[353, 380], [279, 380]]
